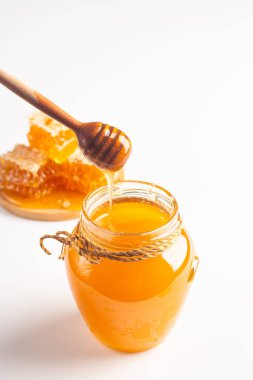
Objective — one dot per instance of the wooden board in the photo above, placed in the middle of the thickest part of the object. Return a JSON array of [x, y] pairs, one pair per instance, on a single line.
[[39, 214]]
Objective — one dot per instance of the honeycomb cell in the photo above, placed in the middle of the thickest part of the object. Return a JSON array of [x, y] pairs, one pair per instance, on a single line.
[[23, 170], [76, 174], [50, 136], [28, 172]]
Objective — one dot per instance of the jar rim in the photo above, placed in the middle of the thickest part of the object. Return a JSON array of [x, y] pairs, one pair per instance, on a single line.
[[171, 225]]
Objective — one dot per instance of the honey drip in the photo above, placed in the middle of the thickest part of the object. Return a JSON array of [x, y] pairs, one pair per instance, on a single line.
[[110, 176]]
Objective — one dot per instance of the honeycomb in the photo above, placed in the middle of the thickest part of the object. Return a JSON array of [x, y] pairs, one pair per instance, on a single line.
[[23, 170], [28, 171], [77, 174], [50, 173], [53, 138]]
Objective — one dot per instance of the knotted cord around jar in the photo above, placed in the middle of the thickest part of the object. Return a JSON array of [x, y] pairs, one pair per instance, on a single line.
[[94, 253]]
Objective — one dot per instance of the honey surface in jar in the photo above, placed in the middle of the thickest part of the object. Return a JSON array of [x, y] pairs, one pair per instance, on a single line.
[[57, 141], [131, 216], [131, 306]]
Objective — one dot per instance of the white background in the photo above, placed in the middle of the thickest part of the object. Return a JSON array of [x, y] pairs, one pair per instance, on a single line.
[[177, 76]]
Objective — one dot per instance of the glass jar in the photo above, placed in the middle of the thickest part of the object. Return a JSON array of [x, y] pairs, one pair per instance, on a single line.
[[130, 306]]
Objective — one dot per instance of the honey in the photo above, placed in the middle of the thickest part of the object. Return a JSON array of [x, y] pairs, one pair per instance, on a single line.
[[130, 216], [130, 306]]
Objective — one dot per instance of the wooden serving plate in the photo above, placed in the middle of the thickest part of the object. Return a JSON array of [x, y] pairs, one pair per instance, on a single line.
[[38, 214]]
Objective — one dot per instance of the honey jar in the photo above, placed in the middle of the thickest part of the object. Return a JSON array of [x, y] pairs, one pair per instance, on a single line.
[[130, 270]]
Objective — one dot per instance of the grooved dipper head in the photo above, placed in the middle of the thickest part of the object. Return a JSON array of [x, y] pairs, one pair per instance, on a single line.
[[106, 146]]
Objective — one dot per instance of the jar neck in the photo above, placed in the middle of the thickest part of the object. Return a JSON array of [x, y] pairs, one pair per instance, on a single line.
[[123, 191]]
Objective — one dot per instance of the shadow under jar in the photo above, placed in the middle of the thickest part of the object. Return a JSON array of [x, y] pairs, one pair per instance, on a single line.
[[130, 306]]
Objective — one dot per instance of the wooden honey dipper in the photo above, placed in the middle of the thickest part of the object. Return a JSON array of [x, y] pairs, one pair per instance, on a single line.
[[106, 146]]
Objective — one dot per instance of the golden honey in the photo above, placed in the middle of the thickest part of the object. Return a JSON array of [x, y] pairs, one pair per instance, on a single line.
[[130, 306]]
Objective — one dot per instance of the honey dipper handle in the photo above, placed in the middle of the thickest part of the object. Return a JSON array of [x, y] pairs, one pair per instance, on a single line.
[[38, 101]]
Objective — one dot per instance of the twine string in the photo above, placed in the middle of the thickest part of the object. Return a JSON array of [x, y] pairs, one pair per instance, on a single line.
[[94, 253]]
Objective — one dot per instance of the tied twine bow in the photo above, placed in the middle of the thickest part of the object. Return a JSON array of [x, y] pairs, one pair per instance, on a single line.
[[94, 253]]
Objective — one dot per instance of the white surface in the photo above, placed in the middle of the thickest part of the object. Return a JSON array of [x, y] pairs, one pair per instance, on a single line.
[[177, 77]]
